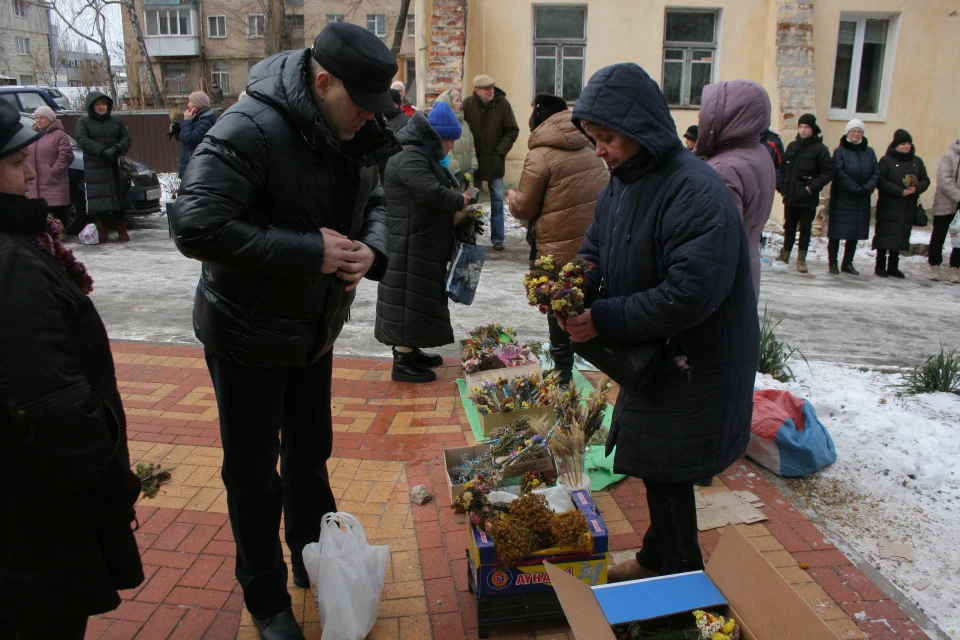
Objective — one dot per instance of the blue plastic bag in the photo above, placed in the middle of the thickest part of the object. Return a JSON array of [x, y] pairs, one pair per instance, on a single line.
[[464, 272]]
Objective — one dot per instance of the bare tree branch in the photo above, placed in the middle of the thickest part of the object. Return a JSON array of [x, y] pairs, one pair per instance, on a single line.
[[398, 32]]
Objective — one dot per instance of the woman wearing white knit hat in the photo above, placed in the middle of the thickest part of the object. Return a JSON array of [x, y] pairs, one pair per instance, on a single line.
[[856, 179]]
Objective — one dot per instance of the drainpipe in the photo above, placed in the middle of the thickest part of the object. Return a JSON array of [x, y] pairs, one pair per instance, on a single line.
[[421, 52]]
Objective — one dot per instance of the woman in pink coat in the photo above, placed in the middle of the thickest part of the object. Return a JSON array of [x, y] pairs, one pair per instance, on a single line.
[[50, 156]]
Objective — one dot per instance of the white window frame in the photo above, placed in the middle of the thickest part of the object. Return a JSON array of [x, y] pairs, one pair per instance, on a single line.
[[889, 64], [559, 43], [23, 46], [411, 25], [688, 48], [257, 33], [379, 24], [221, 33], [20, 8], [170, 12], [220, 76], [335, 17]]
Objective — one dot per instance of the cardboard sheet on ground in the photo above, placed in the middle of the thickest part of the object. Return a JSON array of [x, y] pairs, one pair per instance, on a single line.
[[718, 509], [596, 465]]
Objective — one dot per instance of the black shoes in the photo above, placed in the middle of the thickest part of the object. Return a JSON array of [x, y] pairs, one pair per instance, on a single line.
[[834, 270], [427, 360], [406, 369], [282, 626], [880, 272], [848, 268], [896, 273], [498, 246]]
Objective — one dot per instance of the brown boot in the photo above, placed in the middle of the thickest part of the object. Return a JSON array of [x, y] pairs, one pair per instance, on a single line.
[[122, 231], [102, 230], [629, 570], [802, 262]]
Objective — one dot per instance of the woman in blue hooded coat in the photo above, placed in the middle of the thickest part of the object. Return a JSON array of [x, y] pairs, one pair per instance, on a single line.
[[672, 263]]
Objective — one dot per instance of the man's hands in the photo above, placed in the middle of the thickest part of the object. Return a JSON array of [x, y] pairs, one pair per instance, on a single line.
[[511, 196], [580, 328], [349, 259], [909, 191]]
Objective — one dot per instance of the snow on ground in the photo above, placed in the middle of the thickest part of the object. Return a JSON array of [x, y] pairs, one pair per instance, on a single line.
[[168, 184], [897, 477]]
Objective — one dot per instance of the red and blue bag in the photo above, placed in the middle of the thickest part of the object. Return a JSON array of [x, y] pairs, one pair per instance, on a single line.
[[786, 436]]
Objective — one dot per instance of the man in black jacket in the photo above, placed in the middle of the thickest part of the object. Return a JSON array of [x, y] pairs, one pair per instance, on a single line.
[[283, 205], [807, 169]]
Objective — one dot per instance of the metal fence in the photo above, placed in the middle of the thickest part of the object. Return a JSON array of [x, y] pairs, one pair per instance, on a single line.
[[148, 132]]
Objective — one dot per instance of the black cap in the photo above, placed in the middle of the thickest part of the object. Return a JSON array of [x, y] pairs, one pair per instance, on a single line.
[[693, 132], [15, 131], [900, 136], [361, 61], [808, 119]]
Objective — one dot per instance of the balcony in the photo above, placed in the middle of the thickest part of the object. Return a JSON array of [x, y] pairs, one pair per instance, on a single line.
[[172, 46], [171, 30]]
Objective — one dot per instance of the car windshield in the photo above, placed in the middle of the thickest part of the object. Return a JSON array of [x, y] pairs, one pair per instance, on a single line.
[[54, 93]]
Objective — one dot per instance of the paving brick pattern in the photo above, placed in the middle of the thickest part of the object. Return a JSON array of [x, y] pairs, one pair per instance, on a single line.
[[388, 437]]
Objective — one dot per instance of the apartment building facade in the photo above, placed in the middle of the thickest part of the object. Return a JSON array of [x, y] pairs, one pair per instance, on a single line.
[[24, 43]]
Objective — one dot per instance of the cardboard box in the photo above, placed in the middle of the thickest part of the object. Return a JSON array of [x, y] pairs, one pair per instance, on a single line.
[[452, 459], [477, 377], [493, 421], [493, 578], [737, 578]]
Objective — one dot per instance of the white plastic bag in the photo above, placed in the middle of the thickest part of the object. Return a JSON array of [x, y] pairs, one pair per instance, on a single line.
[[346, 577], [558, 498], [89, 235]]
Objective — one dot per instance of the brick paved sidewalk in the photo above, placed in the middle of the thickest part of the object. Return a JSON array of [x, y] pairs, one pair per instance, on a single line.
[[390, 436]]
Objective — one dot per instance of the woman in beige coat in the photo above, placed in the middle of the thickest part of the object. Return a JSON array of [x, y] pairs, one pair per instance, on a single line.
[[944, 209], [463, 157], [558, 189]]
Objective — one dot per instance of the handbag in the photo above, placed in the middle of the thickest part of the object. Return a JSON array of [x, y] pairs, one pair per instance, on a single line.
[[463, 274], [630, 365], [921, 217]]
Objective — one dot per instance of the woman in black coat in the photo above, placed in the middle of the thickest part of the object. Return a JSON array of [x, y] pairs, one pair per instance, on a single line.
[[62, 427], [422, 199], [104, 138], [854, 182], [903, 177]]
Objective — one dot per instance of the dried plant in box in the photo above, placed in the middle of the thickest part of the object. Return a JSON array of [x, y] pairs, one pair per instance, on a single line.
[[571, 530], [531, 512], [511, 541]]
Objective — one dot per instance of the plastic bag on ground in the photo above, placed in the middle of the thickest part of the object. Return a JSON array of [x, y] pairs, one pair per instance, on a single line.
[[346, 577], [786, 436], [89, 235]]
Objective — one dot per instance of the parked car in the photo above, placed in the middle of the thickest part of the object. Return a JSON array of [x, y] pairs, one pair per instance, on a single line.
[[57, 96], [144, 193], [27, 99]]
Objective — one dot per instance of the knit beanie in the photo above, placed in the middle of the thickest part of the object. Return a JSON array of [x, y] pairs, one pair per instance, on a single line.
[[544, 106], [444, 121], [200, 100], [900, 136], [808, 119], [855, 124], [693, 132], [46, 112]]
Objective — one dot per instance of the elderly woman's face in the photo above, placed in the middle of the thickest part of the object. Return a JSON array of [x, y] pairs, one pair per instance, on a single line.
[[855, 135], [15, 173], [42, 122], [612, 147]]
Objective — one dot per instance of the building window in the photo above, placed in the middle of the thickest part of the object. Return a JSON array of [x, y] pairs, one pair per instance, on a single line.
[[220, 74], [20, 8], [689, 53], [169, 22], [377, 24], [863, 67], [334, 17], [217, 26], [23, 46], [176, 78], [559, 49], [255, 25], [411, 25]]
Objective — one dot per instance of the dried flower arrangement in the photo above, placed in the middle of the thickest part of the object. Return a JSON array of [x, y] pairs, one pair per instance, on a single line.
[[706, 626], [494, 347], [714, 627], [515, 394], [577, 420], [558, 289]]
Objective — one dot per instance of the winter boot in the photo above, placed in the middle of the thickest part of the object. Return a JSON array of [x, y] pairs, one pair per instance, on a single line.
[[881, 268], [834, 269], [802, 261], [784, 256], [848, 268], [893, 267], [954, 275], [122, 231], [934, 273], [405, 369], [102, 230], [427, 360], [562, 363]]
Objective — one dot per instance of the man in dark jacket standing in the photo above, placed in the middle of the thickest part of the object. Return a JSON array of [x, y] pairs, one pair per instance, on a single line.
[[672, 265], [494, 129], [807, 169], [283, 205]]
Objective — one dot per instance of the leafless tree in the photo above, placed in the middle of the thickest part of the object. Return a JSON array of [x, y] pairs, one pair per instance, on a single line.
[[134, 15]]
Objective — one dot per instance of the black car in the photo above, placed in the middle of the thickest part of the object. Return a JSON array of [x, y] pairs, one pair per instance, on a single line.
[[144, 193]]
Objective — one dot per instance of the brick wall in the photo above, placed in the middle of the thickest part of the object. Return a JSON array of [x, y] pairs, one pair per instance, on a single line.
[[447, 47], [795, 71]]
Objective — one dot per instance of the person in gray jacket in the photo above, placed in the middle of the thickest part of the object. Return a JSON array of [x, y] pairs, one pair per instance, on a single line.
[[945, 202]]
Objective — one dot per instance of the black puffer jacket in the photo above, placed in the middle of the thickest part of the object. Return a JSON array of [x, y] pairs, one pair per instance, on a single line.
[[63, 436], [806, 163], [103, 140], [422, 197], [896, 212], [856, 179], [672, 253], [266, 178]]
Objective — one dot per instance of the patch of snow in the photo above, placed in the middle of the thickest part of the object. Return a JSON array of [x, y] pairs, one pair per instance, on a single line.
[[897, 476], [169, 183]]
